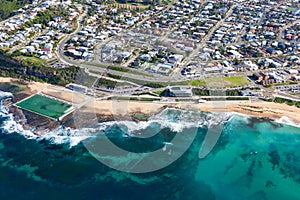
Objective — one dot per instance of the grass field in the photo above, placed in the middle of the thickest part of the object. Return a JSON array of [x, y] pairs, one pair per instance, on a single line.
[[26, 60], [8, 6], [44, 106], [221, 82]]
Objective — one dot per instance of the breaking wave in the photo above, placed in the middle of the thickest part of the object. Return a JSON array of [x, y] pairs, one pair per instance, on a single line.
[[174, 119], [288, 121], [177, 120]]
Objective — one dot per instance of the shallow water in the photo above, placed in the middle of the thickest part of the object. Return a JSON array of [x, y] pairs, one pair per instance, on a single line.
[[253, 159]]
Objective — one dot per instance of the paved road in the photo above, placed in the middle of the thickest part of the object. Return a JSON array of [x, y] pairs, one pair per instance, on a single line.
[[99, 46], [280, 35], [61, 44], [102, 70], [202, 44]]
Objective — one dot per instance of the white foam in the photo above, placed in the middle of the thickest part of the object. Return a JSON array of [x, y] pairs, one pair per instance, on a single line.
[[283, 120], [59, 136], [218, 118], [5, 95], [185, 119], [286, 120], [133, 127]]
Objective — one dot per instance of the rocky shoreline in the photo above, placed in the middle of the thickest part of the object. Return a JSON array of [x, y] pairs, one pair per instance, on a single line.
[[40, 124], [106, 111]]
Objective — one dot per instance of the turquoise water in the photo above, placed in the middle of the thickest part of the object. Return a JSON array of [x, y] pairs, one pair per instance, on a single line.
[[258, 161], [253, 159]]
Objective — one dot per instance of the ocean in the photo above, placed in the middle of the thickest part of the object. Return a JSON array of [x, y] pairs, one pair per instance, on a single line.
[[251, 158]]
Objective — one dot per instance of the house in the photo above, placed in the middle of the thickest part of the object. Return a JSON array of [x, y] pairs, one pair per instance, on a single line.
[[257, 77], [250, 65], [146, 57], [235, 54], [135, 63], [176, 58], [30, 49], [267, 82], [296, 78], [87, 55], [291, 71], [73, 53]]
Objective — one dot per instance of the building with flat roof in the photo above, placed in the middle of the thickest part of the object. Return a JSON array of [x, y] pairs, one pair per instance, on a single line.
[[180, 92], [77, 88]]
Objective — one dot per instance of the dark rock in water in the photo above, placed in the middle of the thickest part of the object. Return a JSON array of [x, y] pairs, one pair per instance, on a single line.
[[274, 158], [250, 170], [31, 120], [260, 164], [245, 156], [6, 102], [255, 120], [270, 184], [18, 115], [105, 118]]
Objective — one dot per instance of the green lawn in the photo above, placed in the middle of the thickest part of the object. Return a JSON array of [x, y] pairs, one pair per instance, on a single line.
[[236, 81], [291, 8], [26, 60], [8, 6], [158, 92], [198, 82], [220, 82], [44, 106]]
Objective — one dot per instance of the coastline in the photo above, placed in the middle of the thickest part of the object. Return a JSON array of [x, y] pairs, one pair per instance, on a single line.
[[110, 110], [270, 110]]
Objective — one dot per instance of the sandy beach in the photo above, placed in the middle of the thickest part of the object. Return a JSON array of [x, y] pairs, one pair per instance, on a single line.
[[33, 87], [123, 108], [259, 109]]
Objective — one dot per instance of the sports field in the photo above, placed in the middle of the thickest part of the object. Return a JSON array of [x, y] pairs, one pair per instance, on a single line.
[[44, 106]]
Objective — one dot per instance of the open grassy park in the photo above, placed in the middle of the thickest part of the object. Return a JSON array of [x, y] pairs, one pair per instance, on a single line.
[[221, 82]]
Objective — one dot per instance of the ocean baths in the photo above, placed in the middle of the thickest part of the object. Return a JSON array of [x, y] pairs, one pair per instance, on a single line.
[[46, 106]]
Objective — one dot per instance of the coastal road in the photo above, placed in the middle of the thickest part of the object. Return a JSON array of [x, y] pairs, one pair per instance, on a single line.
[[61, 44], [202, 44], [99, 46], [101, 69], [280, 35]]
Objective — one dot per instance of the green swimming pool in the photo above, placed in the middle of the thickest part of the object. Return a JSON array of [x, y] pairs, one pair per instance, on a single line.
[[44, 106]]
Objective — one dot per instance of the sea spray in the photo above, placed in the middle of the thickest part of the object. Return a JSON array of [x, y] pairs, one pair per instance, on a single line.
[[175, 119], [286, 120]]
